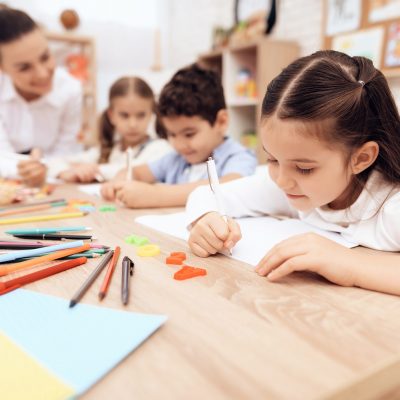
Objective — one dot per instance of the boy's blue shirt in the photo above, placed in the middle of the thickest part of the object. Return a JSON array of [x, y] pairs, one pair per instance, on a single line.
[[230, 157]]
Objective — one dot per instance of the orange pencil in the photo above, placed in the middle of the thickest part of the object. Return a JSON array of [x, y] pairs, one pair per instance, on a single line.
[[110, 271], [16, 283], [7, 269]]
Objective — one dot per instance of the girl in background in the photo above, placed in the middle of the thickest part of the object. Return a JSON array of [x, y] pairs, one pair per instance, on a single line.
[[124, 124], [331, 133]]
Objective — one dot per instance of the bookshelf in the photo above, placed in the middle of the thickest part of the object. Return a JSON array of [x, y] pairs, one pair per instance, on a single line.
[[76, 53], [246, 69]]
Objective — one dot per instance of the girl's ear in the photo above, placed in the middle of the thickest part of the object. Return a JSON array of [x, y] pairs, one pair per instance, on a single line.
[[364, 157], [222, 121]]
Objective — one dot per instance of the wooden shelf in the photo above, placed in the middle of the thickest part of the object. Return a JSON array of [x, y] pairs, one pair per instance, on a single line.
[[264, 59], [65, 44]]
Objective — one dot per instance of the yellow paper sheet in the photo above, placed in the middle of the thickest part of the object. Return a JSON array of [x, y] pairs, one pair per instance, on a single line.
[[21, 377]]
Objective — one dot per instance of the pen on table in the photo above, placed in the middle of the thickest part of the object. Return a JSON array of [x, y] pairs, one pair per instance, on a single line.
[[109, 273], [28, 231], [54, 236], [129, 164], [70, 257], [92, 277], [21, 245], [214, 185], [127, 270], [16, 283]]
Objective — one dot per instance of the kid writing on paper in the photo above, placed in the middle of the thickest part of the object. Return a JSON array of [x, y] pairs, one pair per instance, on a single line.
[[331, 133], [193, 117], [124, 124], [40, 105]]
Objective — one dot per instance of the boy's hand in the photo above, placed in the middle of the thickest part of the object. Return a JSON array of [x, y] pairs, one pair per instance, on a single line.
[[33, 171], [84, 173], [136, 194], [211, 234], [310, 252], [109, 189]]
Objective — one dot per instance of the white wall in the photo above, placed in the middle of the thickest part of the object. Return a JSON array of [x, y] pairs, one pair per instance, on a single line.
[[124, 31]]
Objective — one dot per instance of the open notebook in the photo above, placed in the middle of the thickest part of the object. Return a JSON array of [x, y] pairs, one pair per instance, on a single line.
[[258, 234], [51, 351]]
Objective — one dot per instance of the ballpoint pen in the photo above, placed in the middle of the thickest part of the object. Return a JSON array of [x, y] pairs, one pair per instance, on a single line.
[[92, 277], [127, 270], [214, 185], [129, 156]]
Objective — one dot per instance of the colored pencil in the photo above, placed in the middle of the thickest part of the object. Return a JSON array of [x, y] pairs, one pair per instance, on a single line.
[[23, 210], [7, 269], [92, 277], [27, 253], [44, 217], [30, 204], [16, 283], [110, 271]]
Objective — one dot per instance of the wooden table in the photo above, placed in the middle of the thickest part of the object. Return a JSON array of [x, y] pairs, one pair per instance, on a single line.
[[234, 335]]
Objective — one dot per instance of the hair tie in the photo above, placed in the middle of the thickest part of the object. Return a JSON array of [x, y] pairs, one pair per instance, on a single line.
[[362, 83]]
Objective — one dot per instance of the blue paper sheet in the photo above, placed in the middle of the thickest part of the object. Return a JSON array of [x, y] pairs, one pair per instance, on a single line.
[[78, 345]]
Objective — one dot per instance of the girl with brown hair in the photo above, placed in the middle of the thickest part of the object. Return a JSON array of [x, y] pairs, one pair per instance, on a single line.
[[124, 124], [331, 133]]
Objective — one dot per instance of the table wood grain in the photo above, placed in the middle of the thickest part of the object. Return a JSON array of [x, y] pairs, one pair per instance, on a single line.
[[232, 334]]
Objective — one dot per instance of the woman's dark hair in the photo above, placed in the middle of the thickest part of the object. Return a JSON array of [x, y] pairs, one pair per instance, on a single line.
[[192, 91], [350, 94], [122, 87], [14, 24]]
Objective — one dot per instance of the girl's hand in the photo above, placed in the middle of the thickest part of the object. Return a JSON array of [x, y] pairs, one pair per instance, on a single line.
[[33, 171], [84, 173], [309, 252], [211, 234]]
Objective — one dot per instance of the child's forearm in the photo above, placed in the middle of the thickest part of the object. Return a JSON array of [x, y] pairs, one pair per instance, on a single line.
[[377, 271], [177, 195]]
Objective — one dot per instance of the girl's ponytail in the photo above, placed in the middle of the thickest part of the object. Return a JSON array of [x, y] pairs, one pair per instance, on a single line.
[[106, 135]]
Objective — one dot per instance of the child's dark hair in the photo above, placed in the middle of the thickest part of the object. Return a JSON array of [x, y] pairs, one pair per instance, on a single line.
[[14, 24], [351, 95], [122, 87], [192, 91]]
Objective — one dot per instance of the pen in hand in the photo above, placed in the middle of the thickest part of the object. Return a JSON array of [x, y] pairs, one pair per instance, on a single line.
[[214, 185], [127, 270]]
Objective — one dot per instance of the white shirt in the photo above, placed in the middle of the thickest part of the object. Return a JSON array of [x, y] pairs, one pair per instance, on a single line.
[[373, 220], [51, 122], [142, 153]]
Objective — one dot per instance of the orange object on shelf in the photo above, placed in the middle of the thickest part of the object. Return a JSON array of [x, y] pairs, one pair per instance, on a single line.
[[78, 65], [187, 272]]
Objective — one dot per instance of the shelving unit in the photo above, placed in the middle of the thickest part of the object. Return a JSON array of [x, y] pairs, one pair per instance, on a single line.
[[263, 59], [64, 45]]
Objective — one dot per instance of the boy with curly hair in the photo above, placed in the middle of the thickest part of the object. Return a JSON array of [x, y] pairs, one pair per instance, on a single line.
[[192, 115]]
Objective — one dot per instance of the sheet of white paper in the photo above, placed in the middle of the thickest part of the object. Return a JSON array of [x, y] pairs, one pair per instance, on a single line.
[[92, 189], [258, 234]]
